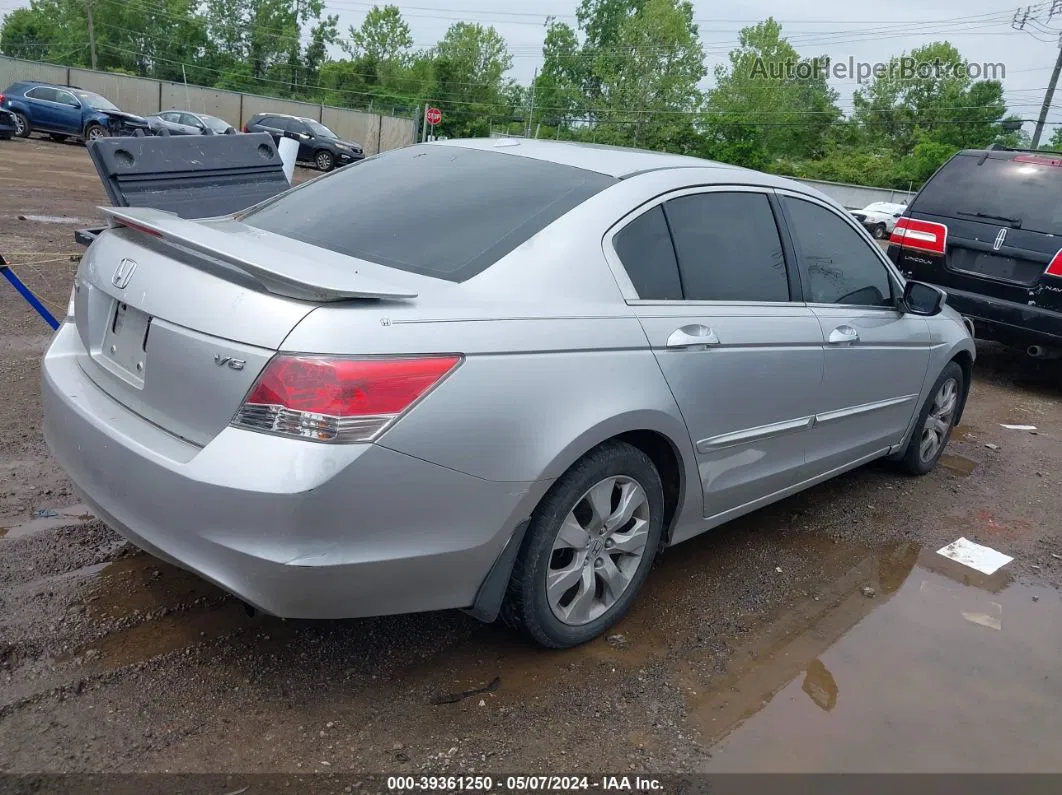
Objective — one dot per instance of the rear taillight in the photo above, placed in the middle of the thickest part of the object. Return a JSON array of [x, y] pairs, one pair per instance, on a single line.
[[338, 399], [2, 98], [926, 236], [1055, 268], [245, 128]]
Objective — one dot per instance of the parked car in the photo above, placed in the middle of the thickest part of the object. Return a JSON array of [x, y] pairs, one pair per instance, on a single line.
[[317, 144], [8, 127], [183, 122], [880, 217], [489, 375], [66, 111], [986, 228]]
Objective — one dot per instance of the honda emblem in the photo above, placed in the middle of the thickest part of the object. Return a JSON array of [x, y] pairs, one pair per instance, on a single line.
[[999, 240], [123, 273]]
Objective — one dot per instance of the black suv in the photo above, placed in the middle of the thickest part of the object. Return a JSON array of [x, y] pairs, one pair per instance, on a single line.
[[317, 144], [987, 228]]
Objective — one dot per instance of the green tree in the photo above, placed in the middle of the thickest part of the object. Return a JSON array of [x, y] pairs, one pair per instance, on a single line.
[[769, 102], [648, 79], [470, 63], [901, 108]]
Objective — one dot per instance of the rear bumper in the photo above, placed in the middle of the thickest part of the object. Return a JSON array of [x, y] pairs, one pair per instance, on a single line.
[[1015, 324], [297, 529]]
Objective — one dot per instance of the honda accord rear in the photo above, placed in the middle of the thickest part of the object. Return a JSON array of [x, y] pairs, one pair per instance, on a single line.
[[489, 375]]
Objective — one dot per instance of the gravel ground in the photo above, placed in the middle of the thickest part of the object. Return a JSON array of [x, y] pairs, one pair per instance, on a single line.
[[113, 661]]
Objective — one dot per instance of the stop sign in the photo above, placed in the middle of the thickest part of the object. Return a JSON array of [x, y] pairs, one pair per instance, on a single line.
[[433, 116]]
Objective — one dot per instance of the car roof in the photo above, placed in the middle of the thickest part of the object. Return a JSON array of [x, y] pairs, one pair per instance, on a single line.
[[285, 116], [623, 163]]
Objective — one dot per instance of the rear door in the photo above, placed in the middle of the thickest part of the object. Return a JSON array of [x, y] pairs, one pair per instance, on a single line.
[[876, 356], [43, 108], [993, 226], [740, 351]]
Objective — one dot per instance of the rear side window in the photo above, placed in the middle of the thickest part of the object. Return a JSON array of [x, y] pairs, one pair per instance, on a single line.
[[1008, 190], [644, 247], [728, 247], [442, 211], [42, 92], [837, 266]]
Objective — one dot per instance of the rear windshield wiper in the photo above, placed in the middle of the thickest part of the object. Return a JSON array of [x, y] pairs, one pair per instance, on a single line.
[[1015, 223]]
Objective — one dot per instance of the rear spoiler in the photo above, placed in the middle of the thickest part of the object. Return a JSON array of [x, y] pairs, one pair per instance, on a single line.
[[323, 276]]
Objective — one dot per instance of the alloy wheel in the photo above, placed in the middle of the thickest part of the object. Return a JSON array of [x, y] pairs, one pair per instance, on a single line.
[[938, 423], [598, 550]]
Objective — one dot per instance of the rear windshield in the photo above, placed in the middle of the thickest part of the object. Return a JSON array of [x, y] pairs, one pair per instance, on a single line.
[[1007, 190], [441, 211]]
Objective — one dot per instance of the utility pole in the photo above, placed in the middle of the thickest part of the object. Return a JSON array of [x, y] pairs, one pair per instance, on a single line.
[[530, 116], [1048, 97], [91, 31]]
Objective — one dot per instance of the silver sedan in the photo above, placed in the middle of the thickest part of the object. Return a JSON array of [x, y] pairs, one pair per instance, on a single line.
[[490, 375]]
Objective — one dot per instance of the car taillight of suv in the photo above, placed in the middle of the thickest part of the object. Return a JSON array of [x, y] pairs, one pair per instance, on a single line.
[[987, 227]]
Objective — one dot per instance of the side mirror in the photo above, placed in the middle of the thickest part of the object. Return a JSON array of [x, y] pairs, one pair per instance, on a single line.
[[923, 299], [897, 215]]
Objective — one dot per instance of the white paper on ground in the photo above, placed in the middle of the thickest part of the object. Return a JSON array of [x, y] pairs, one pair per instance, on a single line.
[[983, 559], [1019, 427]]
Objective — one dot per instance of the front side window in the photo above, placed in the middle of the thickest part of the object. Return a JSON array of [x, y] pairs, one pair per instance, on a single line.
[[837, 265]]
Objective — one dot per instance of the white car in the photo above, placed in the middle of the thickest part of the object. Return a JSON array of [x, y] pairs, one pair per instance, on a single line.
[[880, 217]]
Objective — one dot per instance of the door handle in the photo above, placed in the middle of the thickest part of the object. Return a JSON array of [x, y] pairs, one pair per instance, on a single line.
[[844, 335], [695, 336]]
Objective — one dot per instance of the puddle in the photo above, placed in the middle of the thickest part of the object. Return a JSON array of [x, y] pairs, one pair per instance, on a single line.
[[938, 671], [163, 635], [139, 583], [45, 519], [958, 464]]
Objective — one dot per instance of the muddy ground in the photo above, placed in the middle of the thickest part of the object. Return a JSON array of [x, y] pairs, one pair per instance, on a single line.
[[823, 633]]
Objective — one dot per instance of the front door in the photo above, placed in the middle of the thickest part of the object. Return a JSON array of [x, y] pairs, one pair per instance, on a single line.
[[742, 357], [876, 356]]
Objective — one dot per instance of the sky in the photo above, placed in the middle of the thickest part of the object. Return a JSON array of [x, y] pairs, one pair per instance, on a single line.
[[982, 30]]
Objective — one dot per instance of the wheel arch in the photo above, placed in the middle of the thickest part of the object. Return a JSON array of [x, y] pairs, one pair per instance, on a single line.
[[673, 460], [965, 359]]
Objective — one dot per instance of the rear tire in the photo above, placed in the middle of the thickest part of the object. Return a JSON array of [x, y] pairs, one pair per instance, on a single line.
[[57, 137], [324, 161], [593, 538], [935, 421], [22, 126]]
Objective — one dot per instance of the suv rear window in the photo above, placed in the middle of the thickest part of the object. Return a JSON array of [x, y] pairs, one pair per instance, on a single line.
[[442, 211], [1000, 187]]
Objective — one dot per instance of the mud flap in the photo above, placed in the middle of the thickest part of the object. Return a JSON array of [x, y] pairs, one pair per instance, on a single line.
[[492, 591]]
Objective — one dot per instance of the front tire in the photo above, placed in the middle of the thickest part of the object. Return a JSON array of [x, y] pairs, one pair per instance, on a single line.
[[324, 161], [94, 132], [934, 424], [879, 232], [588, 549], [22, 126]]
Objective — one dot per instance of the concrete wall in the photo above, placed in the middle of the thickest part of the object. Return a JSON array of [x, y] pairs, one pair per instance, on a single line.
[[223, 104], [143, 96], [132, 94], [856, 197]]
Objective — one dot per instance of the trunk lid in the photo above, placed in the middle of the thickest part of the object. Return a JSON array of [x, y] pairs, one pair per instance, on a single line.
[[178, 318]]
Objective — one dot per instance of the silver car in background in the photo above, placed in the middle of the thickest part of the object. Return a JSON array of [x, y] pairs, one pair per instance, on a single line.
[[489, 375]]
